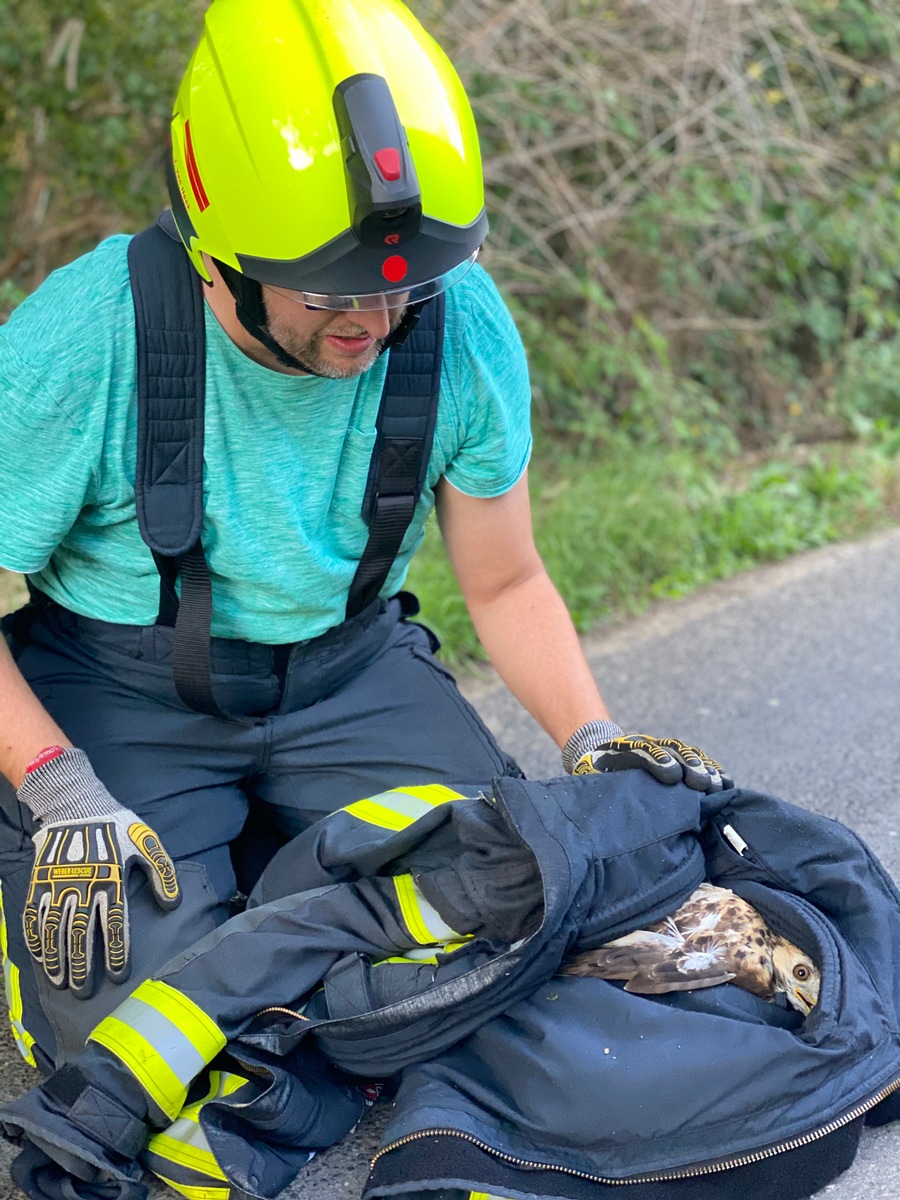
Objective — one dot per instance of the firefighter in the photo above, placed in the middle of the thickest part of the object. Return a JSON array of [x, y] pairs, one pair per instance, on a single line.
[[218, 650]]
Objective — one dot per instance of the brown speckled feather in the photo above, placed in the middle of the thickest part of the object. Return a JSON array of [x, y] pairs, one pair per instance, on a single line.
[[714, 937]]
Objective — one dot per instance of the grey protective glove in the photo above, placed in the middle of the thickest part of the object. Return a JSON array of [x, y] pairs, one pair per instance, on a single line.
[[84, 849], [601, 746]]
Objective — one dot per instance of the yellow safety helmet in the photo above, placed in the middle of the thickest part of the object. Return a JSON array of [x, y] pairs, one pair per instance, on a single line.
[[326, 147]]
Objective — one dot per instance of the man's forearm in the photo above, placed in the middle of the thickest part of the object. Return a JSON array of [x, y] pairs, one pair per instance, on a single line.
[[26, 727], [529, 637]]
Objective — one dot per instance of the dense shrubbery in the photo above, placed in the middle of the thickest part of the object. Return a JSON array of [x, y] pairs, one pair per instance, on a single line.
[[85, 96], [695, 206]]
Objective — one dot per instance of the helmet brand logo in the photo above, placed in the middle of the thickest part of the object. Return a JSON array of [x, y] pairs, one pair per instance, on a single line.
[[392, 239]]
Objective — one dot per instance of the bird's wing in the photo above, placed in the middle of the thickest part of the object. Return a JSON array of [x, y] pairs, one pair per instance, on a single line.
[[652, 963], [665, 940], [669, 976], [705, 908], [619, 959]]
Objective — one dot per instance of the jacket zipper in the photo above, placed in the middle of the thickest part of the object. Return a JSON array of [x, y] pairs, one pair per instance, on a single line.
[[742, 1160], [289, 1012]]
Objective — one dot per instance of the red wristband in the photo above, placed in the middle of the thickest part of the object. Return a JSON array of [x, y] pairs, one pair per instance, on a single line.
[[45, 756]]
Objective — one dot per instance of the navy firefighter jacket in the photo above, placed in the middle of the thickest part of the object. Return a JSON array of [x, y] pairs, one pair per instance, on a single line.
[[417, 936]]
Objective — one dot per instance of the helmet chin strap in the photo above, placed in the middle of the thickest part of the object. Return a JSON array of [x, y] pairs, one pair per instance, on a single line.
[[250, 310], [405, 327]]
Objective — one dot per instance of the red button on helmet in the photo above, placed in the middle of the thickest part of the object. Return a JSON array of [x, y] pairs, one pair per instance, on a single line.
[[387, 161], [394, 268]]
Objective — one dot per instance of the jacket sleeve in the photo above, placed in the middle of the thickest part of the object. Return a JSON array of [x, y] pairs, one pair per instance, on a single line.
[[277, 954]]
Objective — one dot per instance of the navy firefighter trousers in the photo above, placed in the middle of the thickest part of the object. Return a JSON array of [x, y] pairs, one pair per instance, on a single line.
[[317, 725]]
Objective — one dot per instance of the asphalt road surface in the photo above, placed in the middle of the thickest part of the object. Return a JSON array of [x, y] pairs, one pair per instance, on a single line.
[[790, 676]]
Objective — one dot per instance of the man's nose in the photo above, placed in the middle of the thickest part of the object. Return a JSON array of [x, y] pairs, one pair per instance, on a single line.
[[375, 321]]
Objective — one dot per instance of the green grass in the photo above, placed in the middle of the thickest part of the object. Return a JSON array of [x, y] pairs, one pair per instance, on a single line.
[[636, 524], [619, 531]]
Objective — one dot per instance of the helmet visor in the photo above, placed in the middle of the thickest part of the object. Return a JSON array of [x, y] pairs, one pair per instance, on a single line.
[[390, 298]]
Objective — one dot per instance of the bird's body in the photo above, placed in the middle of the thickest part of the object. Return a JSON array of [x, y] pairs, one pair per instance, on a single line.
[[714, 937]]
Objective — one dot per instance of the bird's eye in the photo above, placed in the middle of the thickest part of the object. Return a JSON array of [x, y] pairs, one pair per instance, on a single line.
[[801, 972]]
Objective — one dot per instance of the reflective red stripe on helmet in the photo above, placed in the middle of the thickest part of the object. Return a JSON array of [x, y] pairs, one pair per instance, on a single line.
[[193, 173]]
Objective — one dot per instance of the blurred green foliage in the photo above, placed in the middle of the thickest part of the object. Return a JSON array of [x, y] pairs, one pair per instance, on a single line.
[[697, 212], [694, 207], [86, 92]]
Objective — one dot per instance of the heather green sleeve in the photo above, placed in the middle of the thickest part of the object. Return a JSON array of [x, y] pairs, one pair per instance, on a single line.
[[47, 461], [490, 389]]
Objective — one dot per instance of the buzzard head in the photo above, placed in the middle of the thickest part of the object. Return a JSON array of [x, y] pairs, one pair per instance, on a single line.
[[796, 975]]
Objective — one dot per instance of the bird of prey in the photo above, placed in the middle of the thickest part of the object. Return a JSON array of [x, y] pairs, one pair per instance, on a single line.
[[714, 937]]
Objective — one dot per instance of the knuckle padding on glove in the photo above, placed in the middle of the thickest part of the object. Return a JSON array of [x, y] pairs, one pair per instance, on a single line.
[[83, 848], [668, 760]]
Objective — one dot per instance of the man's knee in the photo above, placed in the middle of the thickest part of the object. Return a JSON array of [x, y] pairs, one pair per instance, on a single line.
[[50, 1024]]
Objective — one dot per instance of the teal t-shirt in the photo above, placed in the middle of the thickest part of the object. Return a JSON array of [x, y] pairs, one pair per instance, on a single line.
[[286, 458]]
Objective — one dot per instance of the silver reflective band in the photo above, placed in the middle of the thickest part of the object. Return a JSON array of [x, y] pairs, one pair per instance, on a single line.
[[390, 298]]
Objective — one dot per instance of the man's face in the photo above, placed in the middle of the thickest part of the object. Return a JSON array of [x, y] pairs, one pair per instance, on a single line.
[[337, 345]]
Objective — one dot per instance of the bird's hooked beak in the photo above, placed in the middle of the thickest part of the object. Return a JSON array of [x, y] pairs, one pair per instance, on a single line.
[[803, 1001]]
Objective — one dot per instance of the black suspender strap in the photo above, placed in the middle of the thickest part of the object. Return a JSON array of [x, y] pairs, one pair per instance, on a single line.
[[171, 374], [404, 435]]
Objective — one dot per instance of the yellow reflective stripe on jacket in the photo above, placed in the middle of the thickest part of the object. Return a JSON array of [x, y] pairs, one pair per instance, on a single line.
[[23, 1039], [197, 1193], [432, 793], [486, 1196], [197, 1156], [221, 1084], [423, 954], [425, 924], [163, 1038], [185, 1144], [417, 961], [400, 807]]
